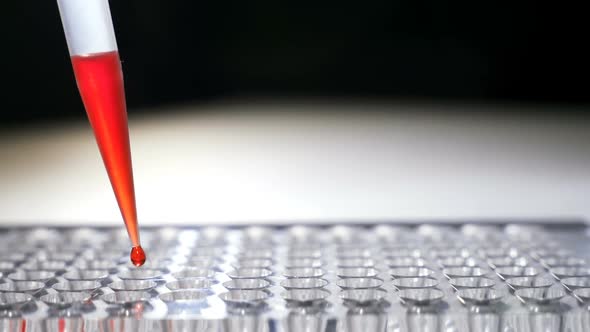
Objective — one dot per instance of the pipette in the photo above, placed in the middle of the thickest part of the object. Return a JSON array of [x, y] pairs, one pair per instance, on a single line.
[[95, 59]]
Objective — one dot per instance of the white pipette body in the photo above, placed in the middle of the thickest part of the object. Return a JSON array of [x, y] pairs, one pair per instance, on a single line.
[[88, 26]]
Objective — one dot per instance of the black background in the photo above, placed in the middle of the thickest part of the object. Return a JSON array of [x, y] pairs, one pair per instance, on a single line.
[[176, 52]]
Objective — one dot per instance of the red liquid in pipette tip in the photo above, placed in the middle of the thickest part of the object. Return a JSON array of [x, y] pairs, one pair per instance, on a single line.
[[100, 81]]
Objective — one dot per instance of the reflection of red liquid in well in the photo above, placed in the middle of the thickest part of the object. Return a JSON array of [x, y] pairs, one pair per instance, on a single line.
[[61, 325], [100, 81], [137, 256]]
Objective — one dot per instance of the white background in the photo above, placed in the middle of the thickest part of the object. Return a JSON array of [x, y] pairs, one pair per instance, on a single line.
[[278, 162]]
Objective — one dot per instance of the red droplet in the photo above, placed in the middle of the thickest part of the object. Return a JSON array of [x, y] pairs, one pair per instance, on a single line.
[[137, 256]]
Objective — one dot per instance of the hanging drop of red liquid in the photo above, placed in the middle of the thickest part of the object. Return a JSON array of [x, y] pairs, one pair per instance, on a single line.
[[137, 256]]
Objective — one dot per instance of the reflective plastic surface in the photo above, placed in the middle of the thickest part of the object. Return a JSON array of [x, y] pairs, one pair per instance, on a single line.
[[332, 278]]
